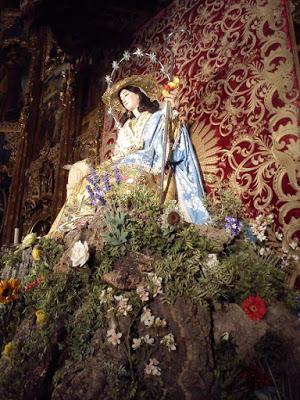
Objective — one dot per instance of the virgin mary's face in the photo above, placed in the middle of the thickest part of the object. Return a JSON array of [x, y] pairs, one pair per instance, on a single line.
[[129, 99]]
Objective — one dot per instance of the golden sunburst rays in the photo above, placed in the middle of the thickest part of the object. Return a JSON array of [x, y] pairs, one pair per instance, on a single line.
[[208, 151]]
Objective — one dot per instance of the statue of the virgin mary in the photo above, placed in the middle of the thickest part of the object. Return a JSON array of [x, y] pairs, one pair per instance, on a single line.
[[137, 157]]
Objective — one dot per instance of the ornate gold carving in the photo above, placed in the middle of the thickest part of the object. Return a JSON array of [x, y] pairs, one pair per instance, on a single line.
[[40, 182], [87, 144], [6, 127], [8, 17]]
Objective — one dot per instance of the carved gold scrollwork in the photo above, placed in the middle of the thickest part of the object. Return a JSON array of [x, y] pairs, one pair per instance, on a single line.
[[87, 143]]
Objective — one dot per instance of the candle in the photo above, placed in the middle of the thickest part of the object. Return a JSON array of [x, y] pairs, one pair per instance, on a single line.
[[16, 235]]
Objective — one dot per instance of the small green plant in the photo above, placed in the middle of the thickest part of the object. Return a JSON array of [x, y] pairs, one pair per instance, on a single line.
[[116, 225]]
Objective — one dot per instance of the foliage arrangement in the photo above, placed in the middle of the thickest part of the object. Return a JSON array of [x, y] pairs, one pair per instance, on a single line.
[[60, 318]]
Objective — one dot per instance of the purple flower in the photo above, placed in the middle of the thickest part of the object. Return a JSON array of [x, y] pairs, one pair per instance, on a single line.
[[99, 196], [95, 177], [95, 191], [117, 175], [90, 191], [106, 182], [232, 225]]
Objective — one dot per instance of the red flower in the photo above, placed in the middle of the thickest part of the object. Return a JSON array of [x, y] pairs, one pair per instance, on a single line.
[[254, 307], [167, 88], [34, 283]]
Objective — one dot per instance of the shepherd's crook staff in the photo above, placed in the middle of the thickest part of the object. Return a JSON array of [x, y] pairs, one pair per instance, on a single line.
[[168, 114]]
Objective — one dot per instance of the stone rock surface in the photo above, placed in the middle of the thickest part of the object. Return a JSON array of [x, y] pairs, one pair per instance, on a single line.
[[244, 331], [188, 372], [37, 378], [129, 271], [219, 236]]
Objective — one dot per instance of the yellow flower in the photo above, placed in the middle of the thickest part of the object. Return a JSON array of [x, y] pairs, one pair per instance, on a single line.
[[28, 240], [175, 82], [40, 316], [8, 348], [8, 290], [36, 254], [165, 93]]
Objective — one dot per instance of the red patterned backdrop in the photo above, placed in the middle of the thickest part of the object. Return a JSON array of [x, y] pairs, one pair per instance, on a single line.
[[239, 93]]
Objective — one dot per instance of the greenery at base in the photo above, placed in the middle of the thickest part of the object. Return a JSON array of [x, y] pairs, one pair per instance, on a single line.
[[74, 313]]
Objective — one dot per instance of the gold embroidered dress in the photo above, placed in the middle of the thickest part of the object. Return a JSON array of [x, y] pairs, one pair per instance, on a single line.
[[78, 206]]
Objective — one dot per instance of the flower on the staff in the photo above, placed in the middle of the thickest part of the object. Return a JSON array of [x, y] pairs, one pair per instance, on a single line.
[[232, 225], [8, 348], [36, 254], [9, 289], [79, 253], [152, 367], [174, 84], [254, 307], [113, 337], [40, 316], [169, 342]]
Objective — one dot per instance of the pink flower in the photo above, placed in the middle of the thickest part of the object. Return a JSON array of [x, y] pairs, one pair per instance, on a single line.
[[113, 337], [152, 367]]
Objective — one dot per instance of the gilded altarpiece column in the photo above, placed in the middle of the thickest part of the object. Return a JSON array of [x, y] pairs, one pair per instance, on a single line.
[[17, 68], [53, 141]]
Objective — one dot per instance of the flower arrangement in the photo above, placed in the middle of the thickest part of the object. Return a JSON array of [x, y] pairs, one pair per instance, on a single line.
[[78, 313]]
